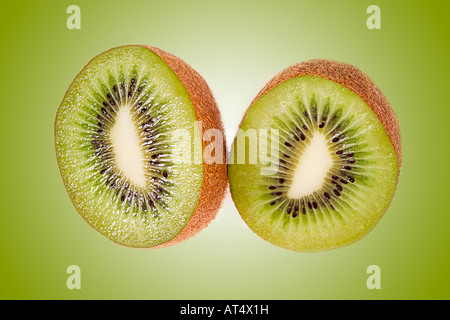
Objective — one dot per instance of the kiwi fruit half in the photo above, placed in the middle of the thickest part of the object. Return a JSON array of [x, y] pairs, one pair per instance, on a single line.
[[316, 160], [129, 146]]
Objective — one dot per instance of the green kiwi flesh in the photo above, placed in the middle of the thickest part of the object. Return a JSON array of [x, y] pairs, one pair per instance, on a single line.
[[114, 147], [336, 169]]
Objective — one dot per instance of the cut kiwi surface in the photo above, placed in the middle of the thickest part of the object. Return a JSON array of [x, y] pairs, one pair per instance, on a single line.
[[129, 145], [333, 157]]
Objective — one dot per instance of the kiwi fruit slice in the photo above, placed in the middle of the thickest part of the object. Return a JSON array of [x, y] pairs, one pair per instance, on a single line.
[[328, 156], [129, 146]]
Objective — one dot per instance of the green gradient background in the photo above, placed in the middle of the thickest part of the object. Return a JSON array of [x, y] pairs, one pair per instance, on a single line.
[[237, 46]]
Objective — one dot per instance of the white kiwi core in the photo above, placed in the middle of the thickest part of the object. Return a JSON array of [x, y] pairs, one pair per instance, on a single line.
[[126, 144], [312, 168]]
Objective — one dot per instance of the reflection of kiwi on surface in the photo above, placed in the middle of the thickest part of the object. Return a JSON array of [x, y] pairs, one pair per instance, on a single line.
[[119, 155], [335, 155]]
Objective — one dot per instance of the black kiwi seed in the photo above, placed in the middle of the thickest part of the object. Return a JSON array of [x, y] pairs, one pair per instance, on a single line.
[[314, 111], [131, 90], [295, 214], [110, 99]]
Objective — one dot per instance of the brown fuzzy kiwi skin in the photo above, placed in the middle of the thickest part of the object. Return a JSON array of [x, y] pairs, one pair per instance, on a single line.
[[352, 78], [215, 175]]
